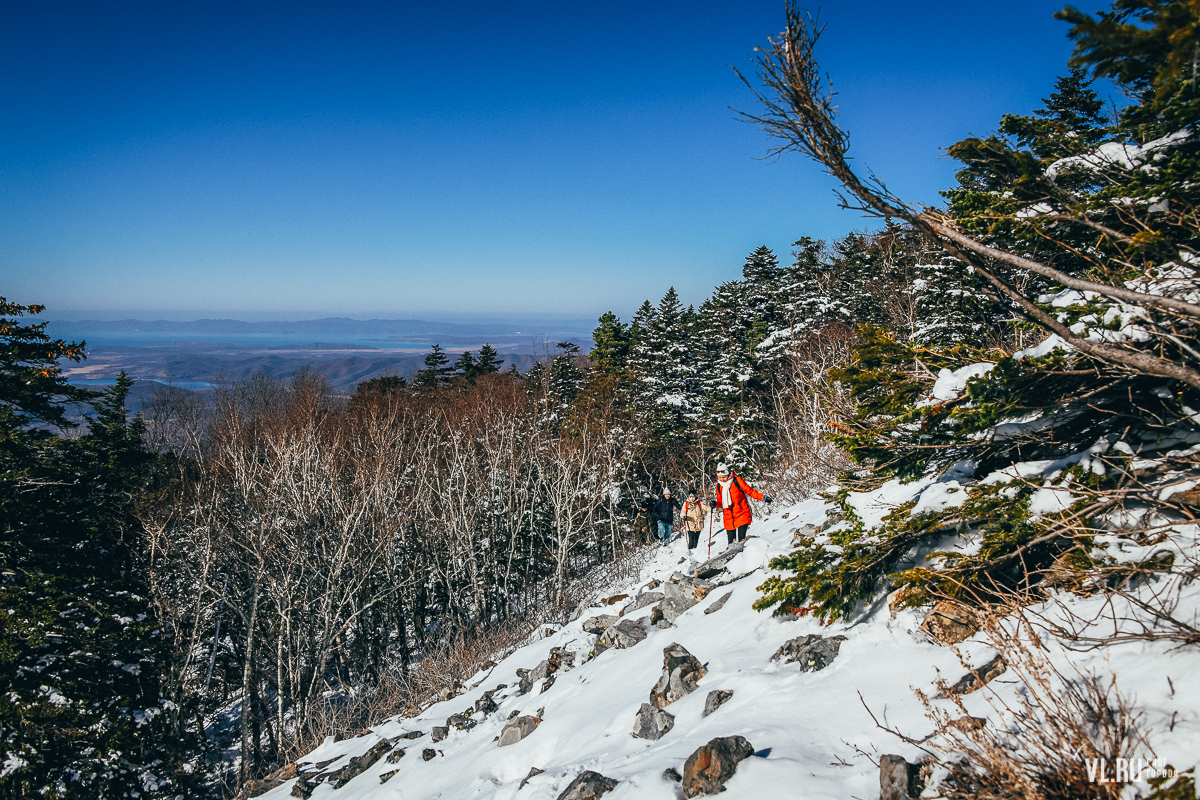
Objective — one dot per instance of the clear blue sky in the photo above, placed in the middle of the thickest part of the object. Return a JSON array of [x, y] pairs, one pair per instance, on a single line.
[[405, 160]]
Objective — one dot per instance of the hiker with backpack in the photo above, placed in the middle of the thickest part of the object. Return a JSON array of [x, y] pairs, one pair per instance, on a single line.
[[663, 513], [693, 519], [732, 492]]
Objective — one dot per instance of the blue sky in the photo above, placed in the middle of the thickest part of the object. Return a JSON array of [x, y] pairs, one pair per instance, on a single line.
[[405, 160]]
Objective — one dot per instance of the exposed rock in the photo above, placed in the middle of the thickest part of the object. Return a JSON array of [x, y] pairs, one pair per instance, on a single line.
[[833, 516], [395, 756], [387, 776], [812, 652], [950, 623], [898, 779], [486, 705], [672, 774], [623, 635], [561, 659], [976, 678], [616, 598], [641, 601], [517, 729], [303, 788], [356, 766], [717, 606], [967, 724], [587, 786], [717, 564], [898, 599], [716, 698], [656, 618], [681, 672], [428, 753], [652, 723], [254, 788], [677, 600], [803, 532], [439, 732], [532, 772], [462, 722], [412, 735], [599, 624], [709, 768]]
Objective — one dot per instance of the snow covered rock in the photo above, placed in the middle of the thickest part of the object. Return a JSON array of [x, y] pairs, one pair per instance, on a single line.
[[716, 698], [719, 604], [641, 601], [812, 652], [681, 672], [599, 624], [652, 723], [517, 729], [358, 765], [716, 564], [623, 635], [709, 768], [440, 732], [898, 779], [588, 785]]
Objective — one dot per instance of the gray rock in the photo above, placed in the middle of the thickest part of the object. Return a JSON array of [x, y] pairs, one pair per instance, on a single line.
[[599, 624], [587, 786], [412, 735], [976, 678], [898, 779], [716, 698], [717, 606], [428, 753], [709, 768], [395, 756], [641, 601], [623, 635], [716, 565], [652, 723], [387, 776], [517, 729], [811, 652], [533, 771], [681, 672], [462, 722], [671, 774], [486, 705], [356, 766], [439, 732], [561, 659]]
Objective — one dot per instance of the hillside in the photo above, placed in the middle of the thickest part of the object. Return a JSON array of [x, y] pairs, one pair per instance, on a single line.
[[811, 734]]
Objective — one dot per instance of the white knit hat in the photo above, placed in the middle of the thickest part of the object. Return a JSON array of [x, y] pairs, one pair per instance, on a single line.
[[722, 468]]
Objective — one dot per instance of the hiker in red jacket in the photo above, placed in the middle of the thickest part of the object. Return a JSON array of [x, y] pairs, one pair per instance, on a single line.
[[732, 491]]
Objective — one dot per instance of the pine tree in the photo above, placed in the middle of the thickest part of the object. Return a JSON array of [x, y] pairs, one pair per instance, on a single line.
[[610, 345], [436, 369], [80, 652], [488, 362], [467, 366]]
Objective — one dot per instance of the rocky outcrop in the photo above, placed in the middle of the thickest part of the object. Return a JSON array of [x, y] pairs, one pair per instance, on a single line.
[[256, 787], [517, 729], [898, 779], [812, 652], [652, 723], [623, 635], [357, 766], [641, 601], [716, 698], [950, 623], [709, 768], [395, 756], [716, 565], [681, 672], [717, 606], [587, 786]]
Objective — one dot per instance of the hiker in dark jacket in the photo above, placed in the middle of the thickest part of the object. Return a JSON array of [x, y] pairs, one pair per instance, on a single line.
[[664, 514], [641, 510]]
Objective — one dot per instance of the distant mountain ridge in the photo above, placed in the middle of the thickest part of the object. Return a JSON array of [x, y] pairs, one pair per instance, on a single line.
[[343, 326]]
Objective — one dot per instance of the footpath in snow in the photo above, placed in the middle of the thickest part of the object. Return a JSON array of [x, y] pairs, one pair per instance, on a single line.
[[811, 734]]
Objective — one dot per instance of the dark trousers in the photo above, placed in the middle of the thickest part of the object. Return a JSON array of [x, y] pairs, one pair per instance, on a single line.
[[693, 539], [738, 533]]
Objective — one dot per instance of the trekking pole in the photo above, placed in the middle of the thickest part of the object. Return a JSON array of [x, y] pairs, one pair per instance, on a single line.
[[711, 512]]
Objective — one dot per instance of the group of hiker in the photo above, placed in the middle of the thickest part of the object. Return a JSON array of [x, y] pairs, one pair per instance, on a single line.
[[731, 495]]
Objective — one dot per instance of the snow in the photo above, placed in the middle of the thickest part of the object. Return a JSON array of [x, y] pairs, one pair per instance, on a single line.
[[950, 384], [811, 732]]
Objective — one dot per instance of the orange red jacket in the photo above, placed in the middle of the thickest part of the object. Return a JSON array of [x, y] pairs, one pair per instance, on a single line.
[[738, 514]]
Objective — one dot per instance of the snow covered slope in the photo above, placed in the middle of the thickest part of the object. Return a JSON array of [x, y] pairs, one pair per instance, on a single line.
[[812, 735]]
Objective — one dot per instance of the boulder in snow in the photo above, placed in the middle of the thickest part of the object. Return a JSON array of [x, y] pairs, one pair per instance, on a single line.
[[462, 722], [708, 769], [428, 754], [387, 776], [587, 785], [716, 698], [357, 766], [716, 565], [717, 606], [652, 723], [599, 624], [898, 779], [976, 678], [439, 732], [671, 774], [517, 729], [950, 623], [395, 756], [812, 652], [623, 635], [641, 601], [681, 672]]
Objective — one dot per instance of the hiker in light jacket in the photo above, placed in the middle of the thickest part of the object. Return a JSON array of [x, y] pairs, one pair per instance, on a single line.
[[664, 513], [693, 519], [732, 492]]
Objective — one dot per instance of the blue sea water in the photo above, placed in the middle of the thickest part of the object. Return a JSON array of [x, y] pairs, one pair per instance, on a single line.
[[163, 338]]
